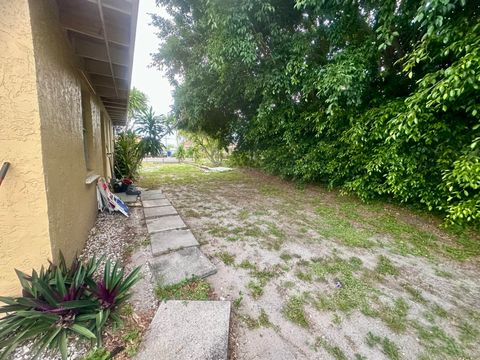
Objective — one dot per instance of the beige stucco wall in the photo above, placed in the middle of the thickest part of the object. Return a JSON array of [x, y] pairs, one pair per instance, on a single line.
[[24, 228], [45, 204], [72, 204]]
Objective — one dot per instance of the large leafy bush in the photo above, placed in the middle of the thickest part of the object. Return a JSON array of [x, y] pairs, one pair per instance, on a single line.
[[378, 97], [59, 301], [128, 155]]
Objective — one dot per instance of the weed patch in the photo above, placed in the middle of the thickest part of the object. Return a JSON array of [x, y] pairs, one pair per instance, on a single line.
[[226, 257], [294, 311], [333, 226], [386, 267], [395, 316], [354, 291], [98, 354], [335, 351], [186, 290], [252, 323], [437, 342], [245, 264], [415, 294], [132, 339], [256, 289], [389, 348]]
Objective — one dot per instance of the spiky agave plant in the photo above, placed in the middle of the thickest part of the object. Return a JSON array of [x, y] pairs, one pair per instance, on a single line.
[[54, 303]]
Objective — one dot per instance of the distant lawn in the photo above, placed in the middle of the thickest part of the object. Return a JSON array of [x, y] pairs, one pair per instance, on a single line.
[[155, 175]]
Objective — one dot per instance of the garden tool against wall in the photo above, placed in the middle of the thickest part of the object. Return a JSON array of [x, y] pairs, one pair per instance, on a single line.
[[4, 170]]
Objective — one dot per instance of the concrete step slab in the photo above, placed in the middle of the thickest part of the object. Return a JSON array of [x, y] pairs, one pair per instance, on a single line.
[[153, 212], [155, 203], [152, 191], [164, 223], [127, 199], [166, 241], [152, 195], [194, 330], [174, 267]]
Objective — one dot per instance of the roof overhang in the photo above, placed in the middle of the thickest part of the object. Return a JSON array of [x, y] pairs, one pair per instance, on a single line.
[[102, 35]]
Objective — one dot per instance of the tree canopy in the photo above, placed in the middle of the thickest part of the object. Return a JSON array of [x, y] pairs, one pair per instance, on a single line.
[[380, 97]]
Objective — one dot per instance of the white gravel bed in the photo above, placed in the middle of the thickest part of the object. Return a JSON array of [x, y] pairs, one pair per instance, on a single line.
[[112, 236]]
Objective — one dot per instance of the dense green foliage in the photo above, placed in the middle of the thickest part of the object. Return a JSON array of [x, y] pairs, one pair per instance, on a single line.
[[141, 136], [62, 300], [378, 97], [204, 148], [128, 155]]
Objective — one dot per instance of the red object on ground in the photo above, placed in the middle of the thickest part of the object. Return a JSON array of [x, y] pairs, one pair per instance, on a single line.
[[127, 181]]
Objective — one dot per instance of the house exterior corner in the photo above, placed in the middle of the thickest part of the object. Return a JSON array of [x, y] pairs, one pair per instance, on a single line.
[[57, 111]]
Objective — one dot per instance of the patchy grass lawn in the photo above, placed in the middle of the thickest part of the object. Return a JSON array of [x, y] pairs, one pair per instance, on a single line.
[[315, 275]]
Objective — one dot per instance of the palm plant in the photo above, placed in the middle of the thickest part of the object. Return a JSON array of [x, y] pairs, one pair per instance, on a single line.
[[152, 128], [137, 101]]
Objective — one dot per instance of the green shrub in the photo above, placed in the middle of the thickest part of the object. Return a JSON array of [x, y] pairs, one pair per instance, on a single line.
[[98, 354], [128, 155], [180, 154], [62, 300]]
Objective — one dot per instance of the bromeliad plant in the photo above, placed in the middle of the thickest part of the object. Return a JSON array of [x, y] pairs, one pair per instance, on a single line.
[[62, 300]]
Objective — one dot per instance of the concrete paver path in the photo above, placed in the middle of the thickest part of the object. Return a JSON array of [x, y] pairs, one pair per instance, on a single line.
[[193, 330]]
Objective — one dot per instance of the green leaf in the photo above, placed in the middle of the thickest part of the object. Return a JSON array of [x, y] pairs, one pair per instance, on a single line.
[[82, 331], [62, 345]]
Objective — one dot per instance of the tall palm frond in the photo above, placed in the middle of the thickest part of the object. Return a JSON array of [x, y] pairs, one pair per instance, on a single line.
[[152, 128]]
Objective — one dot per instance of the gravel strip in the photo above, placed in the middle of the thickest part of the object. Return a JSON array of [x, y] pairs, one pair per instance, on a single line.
[[117, 238]]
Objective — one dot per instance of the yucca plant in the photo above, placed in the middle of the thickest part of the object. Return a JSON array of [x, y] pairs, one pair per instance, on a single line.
[[62, 300]]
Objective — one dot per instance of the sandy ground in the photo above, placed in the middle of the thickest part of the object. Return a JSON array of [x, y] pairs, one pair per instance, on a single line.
[[280, 270]]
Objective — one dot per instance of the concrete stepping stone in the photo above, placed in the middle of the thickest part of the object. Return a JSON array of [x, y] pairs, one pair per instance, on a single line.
[[159, 211], [152, 195], [166, 241], [171, 222], [127, 199], [155, 203], [174, 267], [194, 330]]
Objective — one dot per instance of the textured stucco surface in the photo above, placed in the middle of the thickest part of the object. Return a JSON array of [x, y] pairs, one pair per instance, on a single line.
[[72, 205], [24, 230], [45, 205]]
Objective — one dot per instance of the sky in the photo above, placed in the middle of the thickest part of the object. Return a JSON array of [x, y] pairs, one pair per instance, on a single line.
[[149, 79]]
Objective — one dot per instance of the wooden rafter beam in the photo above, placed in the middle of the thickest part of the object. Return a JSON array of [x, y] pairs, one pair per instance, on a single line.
[[98, 67], [107, 81], [107, 45], [93, 49], [121, 6], [103, 91], [86, 22]]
